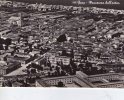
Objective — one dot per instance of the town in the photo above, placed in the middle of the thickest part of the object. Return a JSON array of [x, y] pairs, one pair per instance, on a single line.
[[60, 46]]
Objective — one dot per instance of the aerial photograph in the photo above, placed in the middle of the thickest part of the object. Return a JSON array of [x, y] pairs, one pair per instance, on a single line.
[[62, 43]]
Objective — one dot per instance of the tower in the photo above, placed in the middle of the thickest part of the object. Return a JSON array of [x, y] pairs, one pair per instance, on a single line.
[[20, 22]]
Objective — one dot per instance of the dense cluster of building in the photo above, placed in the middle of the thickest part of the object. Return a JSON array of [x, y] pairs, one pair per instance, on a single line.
[[63, 46]]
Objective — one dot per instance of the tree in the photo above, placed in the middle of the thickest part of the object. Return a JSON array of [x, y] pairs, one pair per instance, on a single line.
[[9, 83], [49, 74], [60, 84], [33, 71], [62, 65], [1, 41], [36, 66], [72, 53], [98, 55], [3, 84], [74, 66], [89, 51], [81, 66], [6, 47], [48, 63], [8, 41], [15, 48], [1, 47], [63, 73], [88, 64], [5, 58], [56, 73], [51, 69], [71, 41], [62, 38], [28, 72], [57, 68], [31, 80], [64, 53], [12, 53]]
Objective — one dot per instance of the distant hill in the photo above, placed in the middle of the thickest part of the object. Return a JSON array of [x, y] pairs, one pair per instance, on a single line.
[[69, 2]]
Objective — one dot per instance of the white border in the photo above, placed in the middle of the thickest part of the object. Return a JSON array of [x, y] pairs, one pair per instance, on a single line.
[[60, 94]]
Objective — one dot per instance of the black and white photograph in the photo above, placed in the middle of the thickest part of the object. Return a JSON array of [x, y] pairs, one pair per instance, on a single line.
[[62, 43]]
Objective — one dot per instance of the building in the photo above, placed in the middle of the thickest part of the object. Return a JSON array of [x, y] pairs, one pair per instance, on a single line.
[[3, 67], [68, 81], [1, 81], [6, 68], [15, 21], [4, 32], [20, 20], [54, 59], [23, 60], [111, 80], [3, 70], [12, 66]]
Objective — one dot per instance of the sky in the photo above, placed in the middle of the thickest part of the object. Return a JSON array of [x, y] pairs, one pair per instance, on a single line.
[[60, 94]]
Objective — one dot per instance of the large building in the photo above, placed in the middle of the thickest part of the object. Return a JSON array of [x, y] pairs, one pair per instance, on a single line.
[[5, 69], [68, 81], [111, 80]]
